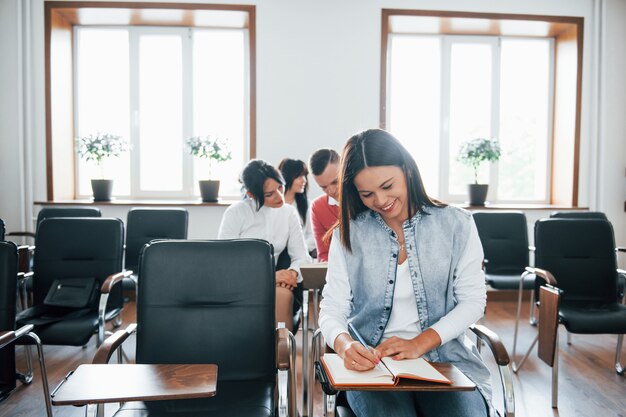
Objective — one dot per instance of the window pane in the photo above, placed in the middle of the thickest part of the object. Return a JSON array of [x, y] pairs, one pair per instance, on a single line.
[[470, 107], [415, 102], [219, 102], [102, 91], [524, 95], [161, 113]]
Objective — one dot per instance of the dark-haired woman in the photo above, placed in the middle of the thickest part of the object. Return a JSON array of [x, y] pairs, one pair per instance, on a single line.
[[405, 270], [295, 173], [263, 214]]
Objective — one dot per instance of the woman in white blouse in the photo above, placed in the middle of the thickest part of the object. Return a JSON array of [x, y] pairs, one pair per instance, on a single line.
[[263, 214], [295, 173]]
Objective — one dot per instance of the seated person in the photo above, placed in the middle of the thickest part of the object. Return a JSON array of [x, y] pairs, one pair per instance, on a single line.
[[324, 165], [263, 214], [295, 174], [406, 271]]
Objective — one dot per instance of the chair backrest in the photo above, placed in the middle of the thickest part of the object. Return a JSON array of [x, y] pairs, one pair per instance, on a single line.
[[144, 225], [578, 215], [49, 212], [504, 236], [580, 253], [2, 229], [8, 283], [208, 302], [78, 248]]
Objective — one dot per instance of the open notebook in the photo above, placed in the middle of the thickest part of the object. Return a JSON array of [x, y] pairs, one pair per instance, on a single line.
[[388, 374]]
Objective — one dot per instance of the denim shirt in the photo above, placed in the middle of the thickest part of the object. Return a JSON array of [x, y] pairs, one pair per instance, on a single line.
[[435, 240]]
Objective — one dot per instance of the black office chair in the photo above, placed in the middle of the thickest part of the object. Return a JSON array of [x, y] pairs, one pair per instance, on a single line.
[[8, 334], [335, 403], [8, 281], [26, 252], [2, 230], [203, 302], [49, 212], [82, 249], [578, 257], [504, 237], [578, 215], [146, 224]]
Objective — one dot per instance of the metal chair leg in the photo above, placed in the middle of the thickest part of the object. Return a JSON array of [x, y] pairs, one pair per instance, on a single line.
[[533, 309], [555, 373], [44, 376], [519, 309], [619, 368], [569, 338], [516, 367], [27, 378], [305, 352]]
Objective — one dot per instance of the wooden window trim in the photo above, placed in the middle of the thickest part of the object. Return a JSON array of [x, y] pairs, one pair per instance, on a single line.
[[68, 12], [559, 25]]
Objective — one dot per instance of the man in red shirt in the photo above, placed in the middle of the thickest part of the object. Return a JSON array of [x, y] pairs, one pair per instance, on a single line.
[[324, 165]]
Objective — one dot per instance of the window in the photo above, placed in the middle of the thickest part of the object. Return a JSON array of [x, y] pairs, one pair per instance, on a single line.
[[157, 86], [449, 77], [156, 74], [445, 90]]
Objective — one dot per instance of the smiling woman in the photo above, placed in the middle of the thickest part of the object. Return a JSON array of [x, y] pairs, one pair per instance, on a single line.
[[406, 271]]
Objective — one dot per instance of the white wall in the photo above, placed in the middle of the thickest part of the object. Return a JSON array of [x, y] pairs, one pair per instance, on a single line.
[[318, 75], [10, 161]]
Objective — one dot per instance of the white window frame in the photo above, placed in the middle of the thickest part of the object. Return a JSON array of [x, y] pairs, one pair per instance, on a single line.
[[189, 187], [446, 42]]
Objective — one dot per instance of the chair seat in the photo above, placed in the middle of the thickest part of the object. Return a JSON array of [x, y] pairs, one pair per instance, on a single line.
[[233, 399], [70, 332], [508, 281], [594, 319]]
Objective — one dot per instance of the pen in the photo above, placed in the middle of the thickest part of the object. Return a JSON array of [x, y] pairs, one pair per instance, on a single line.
[[360, 339]]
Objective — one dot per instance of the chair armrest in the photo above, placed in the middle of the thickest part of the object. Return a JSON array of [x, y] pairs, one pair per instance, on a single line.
[[283, 349], [493, 341], [114, 279], [27, 234], [108, 347], [11, 335], [544, 274]]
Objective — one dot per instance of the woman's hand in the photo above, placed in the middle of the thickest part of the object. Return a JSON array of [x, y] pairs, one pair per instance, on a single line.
[[398, 348], [287, 278], [355, 356]]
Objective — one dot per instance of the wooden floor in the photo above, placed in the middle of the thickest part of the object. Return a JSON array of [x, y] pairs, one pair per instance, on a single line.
[[589, 385]]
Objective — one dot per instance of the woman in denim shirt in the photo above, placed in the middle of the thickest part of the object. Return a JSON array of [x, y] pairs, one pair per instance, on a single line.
[[406, 271]]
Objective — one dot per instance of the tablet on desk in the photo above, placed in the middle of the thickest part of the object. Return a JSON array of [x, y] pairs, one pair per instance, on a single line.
[[314, 275]]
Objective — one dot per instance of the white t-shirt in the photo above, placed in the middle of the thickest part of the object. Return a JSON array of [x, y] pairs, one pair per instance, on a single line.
[[309, 238], [404, 320], [279, 226]]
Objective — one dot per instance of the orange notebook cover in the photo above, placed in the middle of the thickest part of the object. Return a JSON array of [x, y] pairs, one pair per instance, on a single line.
[[388, 374]]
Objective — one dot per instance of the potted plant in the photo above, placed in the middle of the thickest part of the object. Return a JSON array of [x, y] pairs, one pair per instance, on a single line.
[[473, 153], [214, 149], [97, 148]]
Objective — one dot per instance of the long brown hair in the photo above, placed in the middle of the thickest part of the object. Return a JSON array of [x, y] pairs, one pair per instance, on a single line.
[[372, 148]]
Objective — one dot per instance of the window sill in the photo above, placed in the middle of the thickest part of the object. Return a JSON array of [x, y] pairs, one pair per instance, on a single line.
[[145, 202], [228, 202], [516, 206]]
